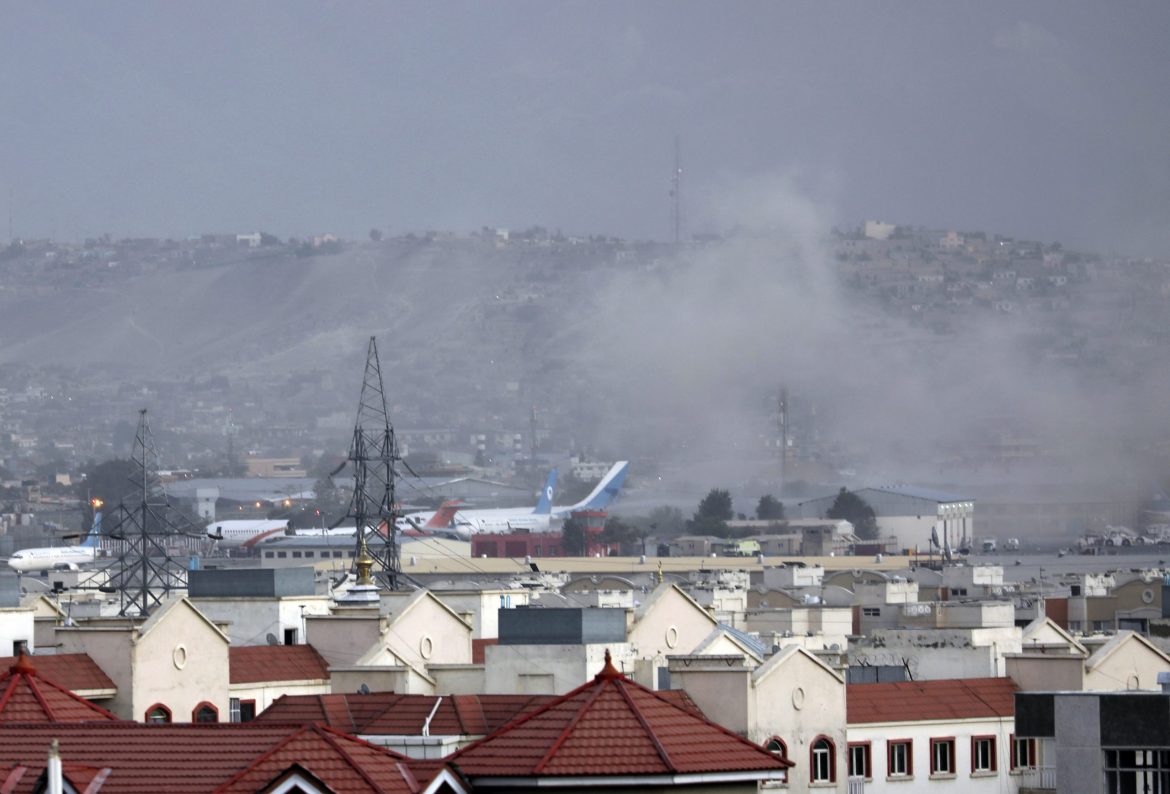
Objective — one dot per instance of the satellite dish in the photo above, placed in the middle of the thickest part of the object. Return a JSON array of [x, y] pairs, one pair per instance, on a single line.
[[271, 639], [364, 689]]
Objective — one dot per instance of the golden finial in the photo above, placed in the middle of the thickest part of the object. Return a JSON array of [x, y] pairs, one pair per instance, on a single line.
[[661, 576], [364, 564]]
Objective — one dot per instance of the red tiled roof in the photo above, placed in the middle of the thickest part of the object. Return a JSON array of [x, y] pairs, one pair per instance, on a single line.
[[254, 664], [195, 759], [612, 726], [914, 701], [76, 672], [27, 696], [341, 762], [394, 714]]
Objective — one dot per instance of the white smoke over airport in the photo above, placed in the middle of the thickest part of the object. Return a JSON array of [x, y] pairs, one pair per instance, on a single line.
[[695, 349]]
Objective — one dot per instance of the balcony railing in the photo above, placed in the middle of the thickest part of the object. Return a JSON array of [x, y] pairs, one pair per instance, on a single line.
[[1041, 777]]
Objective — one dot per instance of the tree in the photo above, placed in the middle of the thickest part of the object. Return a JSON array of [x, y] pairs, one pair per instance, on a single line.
[[850, 507], [631, 539], [770, 508], [376, 235], [666, 520], [714, 512], [573, 537]]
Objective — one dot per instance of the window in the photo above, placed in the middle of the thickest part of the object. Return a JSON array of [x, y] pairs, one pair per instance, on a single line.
[[337, 555], [280, 555], [1023, 753], [777, 747], [247, 710], [158, 713], [822, 761], [860, 763], [942, 756], [19, 647], [899, 758], [234, 709], [269, 555], [983, 754], [871, 612], [1137, 770], [296, 555], [310, 554], [205, 712]]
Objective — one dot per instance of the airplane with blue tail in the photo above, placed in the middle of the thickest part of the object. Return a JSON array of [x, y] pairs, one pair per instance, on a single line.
[[50, 558]]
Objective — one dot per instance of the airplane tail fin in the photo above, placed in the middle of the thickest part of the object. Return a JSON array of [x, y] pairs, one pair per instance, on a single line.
[[95, 531], [606, 490], [444, 517], [544, 504]]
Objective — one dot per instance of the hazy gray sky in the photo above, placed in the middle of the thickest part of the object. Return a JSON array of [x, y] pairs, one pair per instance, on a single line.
[[1041, 119]]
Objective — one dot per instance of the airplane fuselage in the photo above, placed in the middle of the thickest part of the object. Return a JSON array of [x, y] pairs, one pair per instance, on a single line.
[[46, 559]]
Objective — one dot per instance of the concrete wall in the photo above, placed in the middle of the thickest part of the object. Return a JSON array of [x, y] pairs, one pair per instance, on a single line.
[[17, 625], [342, 638], [180, 662], [109, 647], [428, 633], [548, 669], [484, 606], [251, 620], [673, 624], [1040, 673]]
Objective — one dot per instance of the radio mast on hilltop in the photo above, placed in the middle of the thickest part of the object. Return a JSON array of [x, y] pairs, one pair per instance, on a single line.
[[676, 208]]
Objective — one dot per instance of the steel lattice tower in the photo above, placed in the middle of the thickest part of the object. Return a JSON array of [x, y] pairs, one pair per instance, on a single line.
[[145, 573], [374, 454]]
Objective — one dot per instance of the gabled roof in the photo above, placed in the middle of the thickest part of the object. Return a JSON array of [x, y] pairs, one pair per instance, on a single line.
[[918, 701], [613, 728], [77, 672], [659, 593], [1120, 640], [254, 664], [1044, 632], [750, 645], [198, 758], [404, 602], [340, 762], [26, 696], [781, 657], [168, 606]]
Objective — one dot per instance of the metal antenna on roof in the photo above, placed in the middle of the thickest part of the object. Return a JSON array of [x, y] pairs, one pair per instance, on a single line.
[[145, 572], [374, 454]]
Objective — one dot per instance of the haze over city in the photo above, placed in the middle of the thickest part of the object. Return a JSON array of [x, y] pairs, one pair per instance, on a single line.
[[408, 139]]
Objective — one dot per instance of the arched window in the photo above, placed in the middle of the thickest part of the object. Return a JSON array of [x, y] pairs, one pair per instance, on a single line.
[[822, 761], [777, 747], [205, 712], [158, 713]]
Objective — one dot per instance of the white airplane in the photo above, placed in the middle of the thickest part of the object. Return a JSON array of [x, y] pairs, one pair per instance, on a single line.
[[466, 523], [461, 524], [50, 558], [243, 533]]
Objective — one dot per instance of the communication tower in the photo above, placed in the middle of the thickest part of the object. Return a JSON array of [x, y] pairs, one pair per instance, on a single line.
[[373, 454], [146, 535]]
